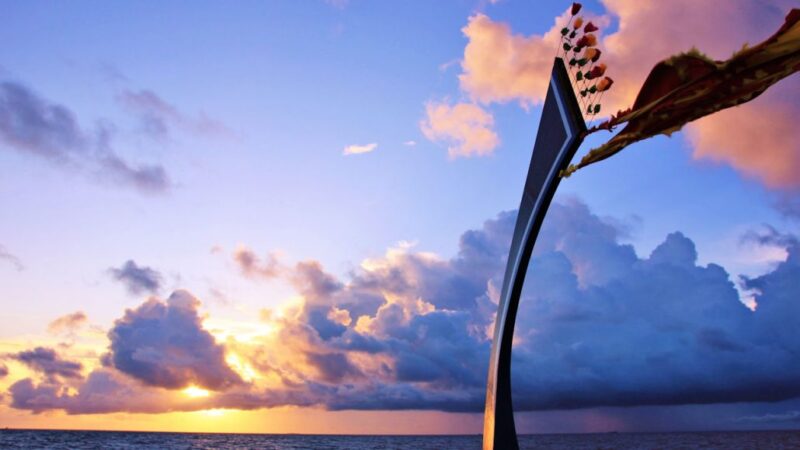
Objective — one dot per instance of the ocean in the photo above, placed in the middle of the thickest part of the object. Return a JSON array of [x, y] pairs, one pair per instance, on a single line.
[[34, 439]]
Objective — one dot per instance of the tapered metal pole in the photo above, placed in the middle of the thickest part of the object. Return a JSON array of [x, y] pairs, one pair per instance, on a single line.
[[560, 134]]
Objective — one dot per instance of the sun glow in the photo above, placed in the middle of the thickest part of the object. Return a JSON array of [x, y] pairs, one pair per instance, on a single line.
[[196, 392], [245, 370]]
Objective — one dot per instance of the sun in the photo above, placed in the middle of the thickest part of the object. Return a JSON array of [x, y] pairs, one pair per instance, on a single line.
[[196, 392]]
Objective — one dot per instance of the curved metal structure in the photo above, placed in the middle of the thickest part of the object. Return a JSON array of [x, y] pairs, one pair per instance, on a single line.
[[560, 134]]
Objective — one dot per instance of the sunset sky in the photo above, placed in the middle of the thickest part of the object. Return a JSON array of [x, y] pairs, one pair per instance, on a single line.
[[294, 216]]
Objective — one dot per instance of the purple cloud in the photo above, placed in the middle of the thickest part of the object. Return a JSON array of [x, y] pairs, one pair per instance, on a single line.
[[11, 259], [599, 326], [157, 117], [49, 363], [137, 279], [163, 343], [35, 126]]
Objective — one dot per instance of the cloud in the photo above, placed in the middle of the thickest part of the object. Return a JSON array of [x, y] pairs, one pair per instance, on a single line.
[[35, 126], [465, 127], [410, 143], [598, 326], [164, 344], [49, 363], [788, 204], [158, 117], [500, 66], [251, 265], [3, 371], [137, 279], [11, 259], [788, 416], [68, 323], [358, 149]]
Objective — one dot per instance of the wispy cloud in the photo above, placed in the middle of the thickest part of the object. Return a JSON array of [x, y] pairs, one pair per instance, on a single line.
[[158, 117], [137, 279], [251, 265], [11, 259], [34, 126], [359, 149], [68, 323]]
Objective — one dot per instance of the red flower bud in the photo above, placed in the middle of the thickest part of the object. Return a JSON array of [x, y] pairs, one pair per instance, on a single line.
[[587, 40], [604, 84], [576, 7], [590, 27], [597, 71]]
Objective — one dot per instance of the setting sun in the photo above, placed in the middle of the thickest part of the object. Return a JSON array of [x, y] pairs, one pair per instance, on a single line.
[[196, 392]]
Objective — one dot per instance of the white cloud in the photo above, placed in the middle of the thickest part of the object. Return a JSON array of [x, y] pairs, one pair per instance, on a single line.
[[358, 149], [466, 127]]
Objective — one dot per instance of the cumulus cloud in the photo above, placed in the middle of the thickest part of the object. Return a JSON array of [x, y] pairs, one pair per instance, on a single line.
[[48, 362], [11, 259], [68, 323], [359, 149], [501, 66], [33, 125], [163, 343], [137, 279], [466, 128], [158, 117], [598, 326]]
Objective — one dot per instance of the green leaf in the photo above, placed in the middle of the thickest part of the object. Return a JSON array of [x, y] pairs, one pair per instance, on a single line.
[[596, 108], [564, 31], [567, 46], [593, 89], [582, 62], [579, 76]]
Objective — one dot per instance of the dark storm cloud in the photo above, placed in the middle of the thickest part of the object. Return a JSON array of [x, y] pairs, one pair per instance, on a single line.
[[163, 343], [332, 367], [598, 325], [137, 279], [49, 363], [32, 125]]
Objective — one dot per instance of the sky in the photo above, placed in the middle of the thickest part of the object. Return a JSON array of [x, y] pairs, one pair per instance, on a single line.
[[293, 217]]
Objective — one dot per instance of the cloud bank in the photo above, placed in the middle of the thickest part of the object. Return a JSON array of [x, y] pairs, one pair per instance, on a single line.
[[598, 325]]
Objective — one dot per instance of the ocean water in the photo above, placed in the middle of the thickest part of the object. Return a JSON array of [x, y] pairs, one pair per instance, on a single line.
[[33, 439]]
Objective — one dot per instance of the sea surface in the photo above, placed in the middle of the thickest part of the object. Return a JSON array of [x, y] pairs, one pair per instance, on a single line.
[[33, 439]]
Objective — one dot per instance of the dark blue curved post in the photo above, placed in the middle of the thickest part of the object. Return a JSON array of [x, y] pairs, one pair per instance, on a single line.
[[560, 134]]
